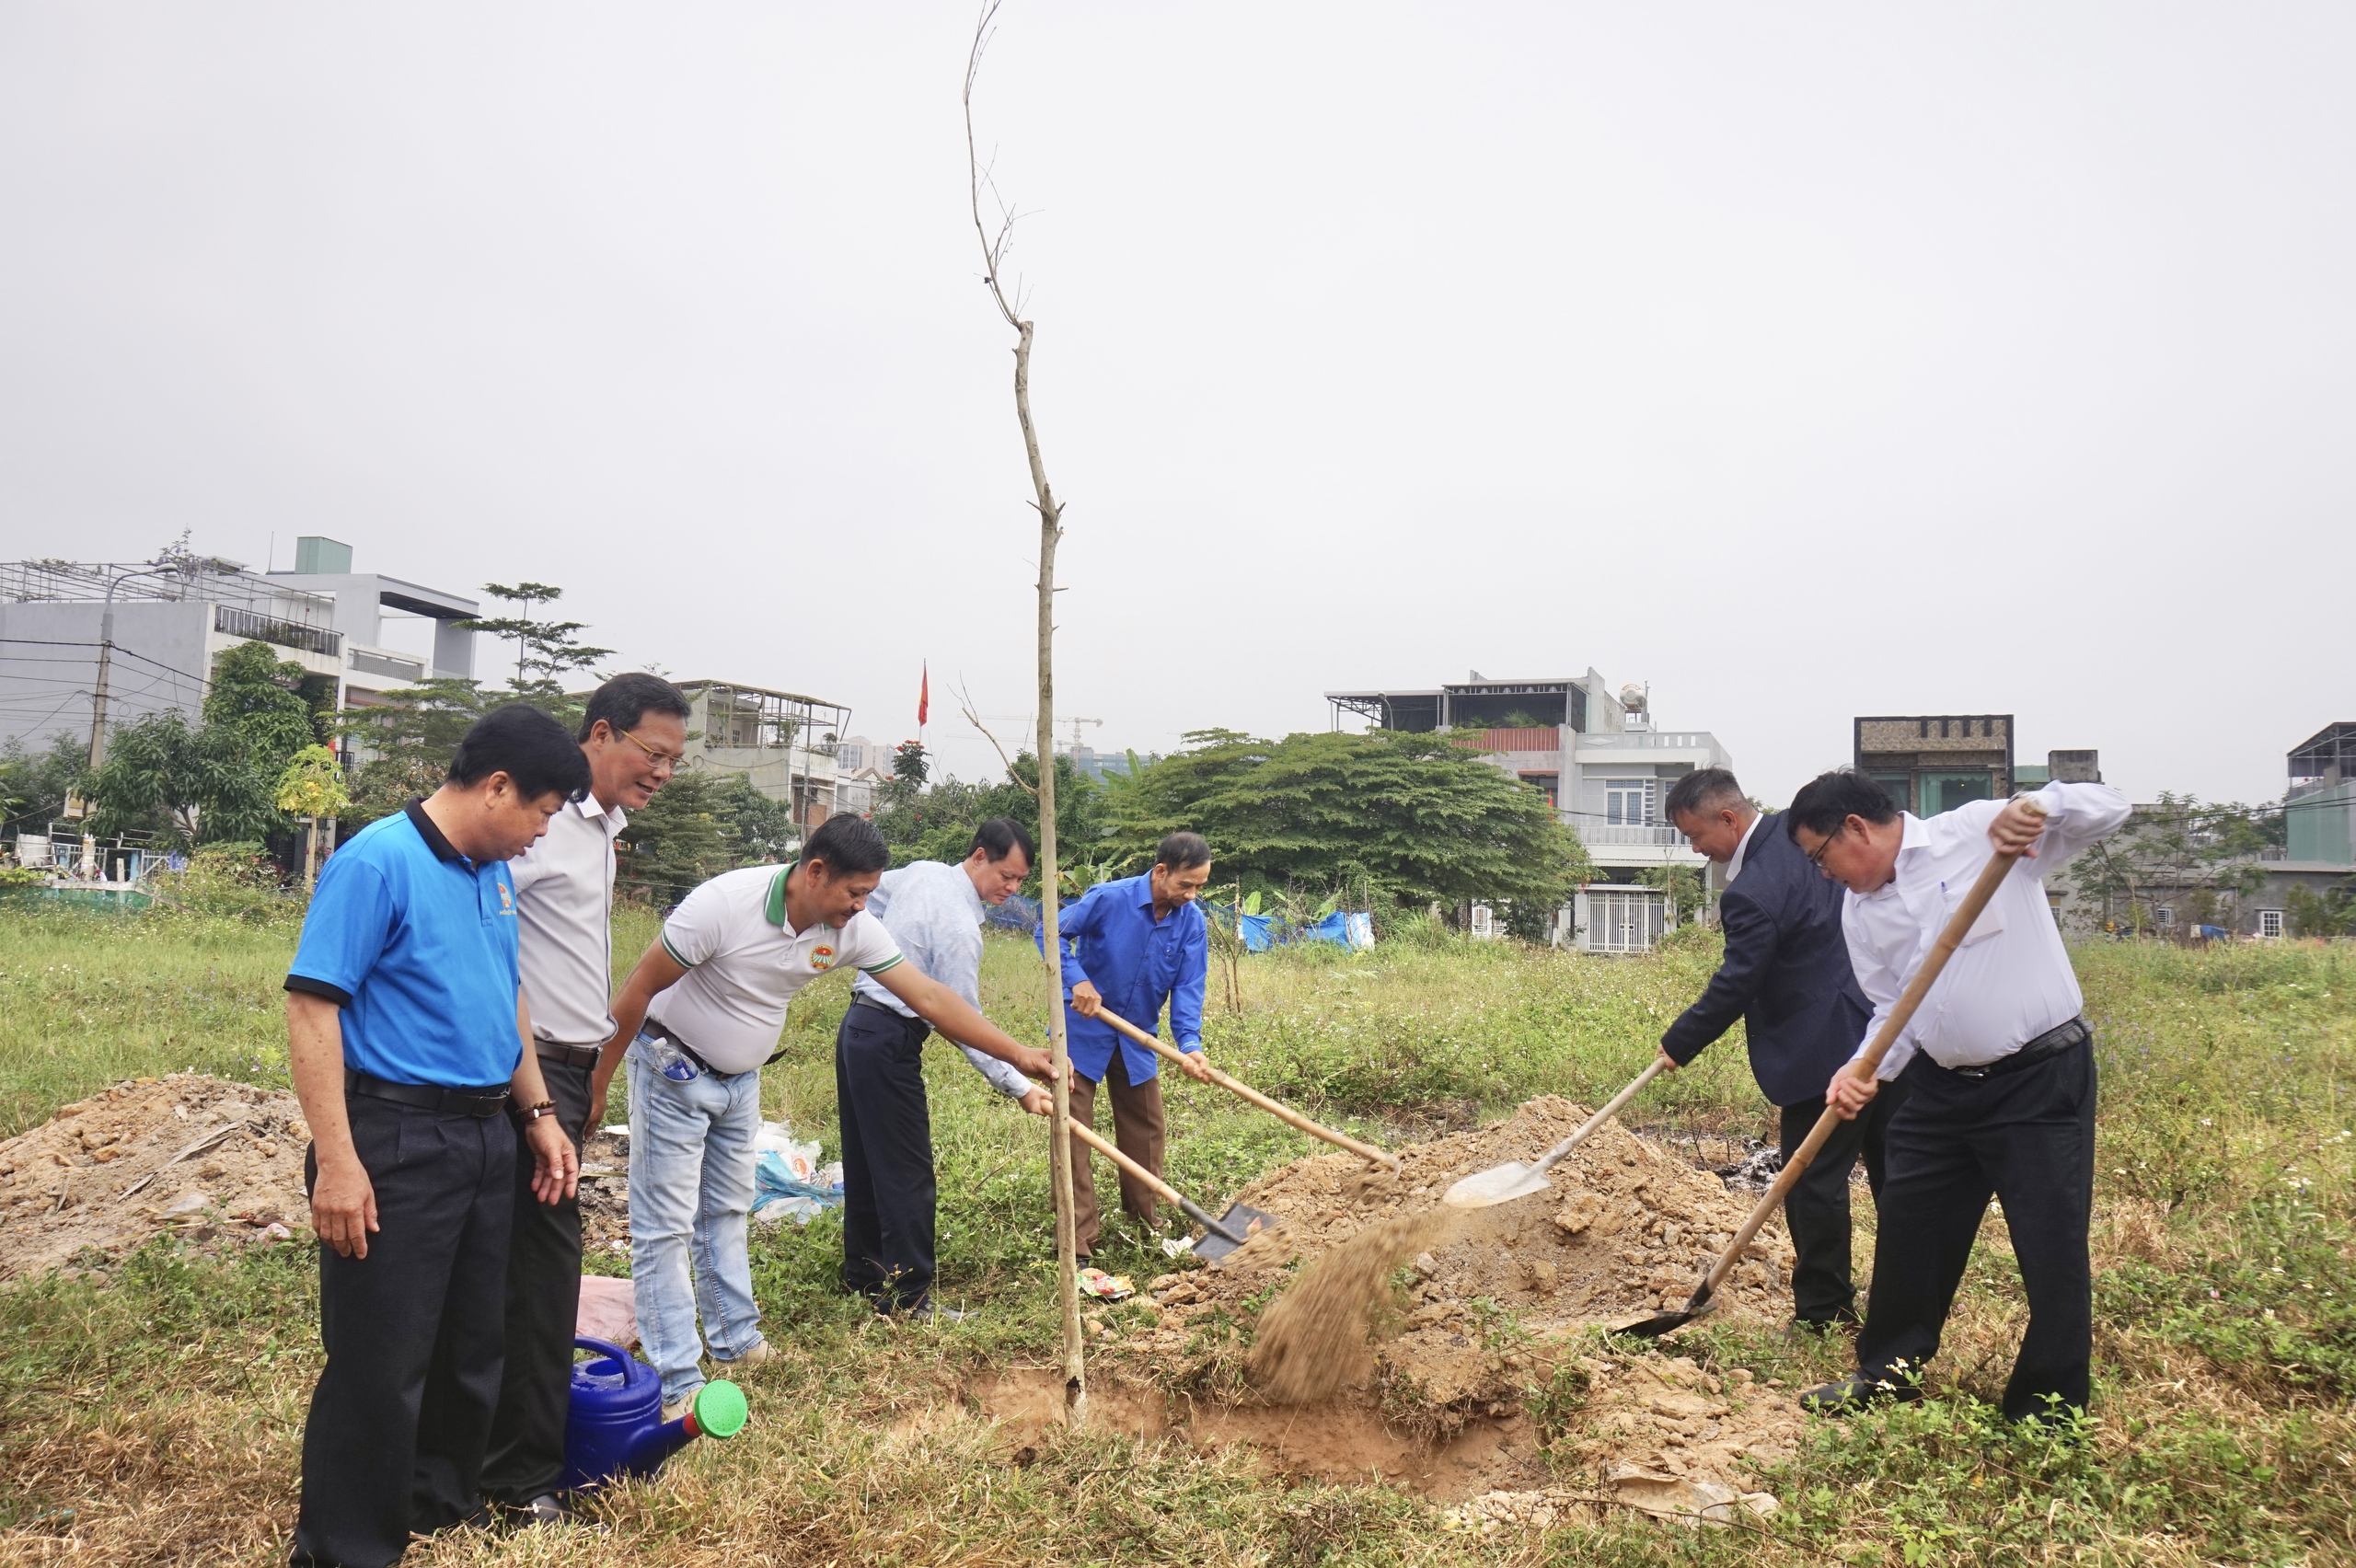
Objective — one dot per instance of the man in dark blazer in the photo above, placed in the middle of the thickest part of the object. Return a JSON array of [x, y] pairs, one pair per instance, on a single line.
[[1786, 976]]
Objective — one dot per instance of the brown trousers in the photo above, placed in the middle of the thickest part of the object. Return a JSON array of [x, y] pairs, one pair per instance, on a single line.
[[1137, 1131]]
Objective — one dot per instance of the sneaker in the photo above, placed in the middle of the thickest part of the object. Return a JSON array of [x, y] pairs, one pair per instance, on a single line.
[[674, 1409], [761, 1354], [1855, 1392], [548, 1509]]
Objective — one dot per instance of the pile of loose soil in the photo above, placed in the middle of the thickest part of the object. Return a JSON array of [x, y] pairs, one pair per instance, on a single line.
[[221, 1162], [1496, 1303]]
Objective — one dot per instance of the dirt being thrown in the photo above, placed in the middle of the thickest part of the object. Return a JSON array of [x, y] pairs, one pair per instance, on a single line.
[[1313, 1338]]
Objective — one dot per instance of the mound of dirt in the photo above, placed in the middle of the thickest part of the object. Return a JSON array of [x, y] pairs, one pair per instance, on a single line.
[[1496, 1304], [220, 1161]]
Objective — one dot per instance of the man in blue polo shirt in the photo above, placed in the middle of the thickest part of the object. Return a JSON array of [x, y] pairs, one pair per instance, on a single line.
[[1131, 946], [406, 1036]]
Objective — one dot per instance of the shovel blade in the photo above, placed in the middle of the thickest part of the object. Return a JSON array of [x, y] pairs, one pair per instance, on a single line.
[[1500, 1185], [1241, 1220], [1659, 1323]]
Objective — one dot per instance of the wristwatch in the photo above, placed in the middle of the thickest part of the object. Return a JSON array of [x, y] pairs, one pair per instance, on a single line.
[[545, 1108]]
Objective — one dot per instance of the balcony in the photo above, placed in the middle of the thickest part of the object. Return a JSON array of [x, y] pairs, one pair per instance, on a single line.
[[230, 621], [1628, 836], [1549, 739], [1649, 740]]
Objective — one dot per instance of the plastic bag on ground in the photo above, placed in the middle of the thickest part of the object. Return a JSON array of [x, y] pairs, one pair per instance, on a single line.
[[788, 1181], [608, 1310]]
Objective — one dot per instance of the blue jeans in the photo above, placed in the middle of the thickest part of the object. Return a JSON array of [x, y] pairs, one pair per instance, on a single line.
[[690, 1187]]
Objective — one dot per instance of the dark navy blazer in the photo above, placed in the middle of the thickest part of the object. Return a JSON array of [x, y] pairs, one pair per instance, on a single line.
[[1785, 974]]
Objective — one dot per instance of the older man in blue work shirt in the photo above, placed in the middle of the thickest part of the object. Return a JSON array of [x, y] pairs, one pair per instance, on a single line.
[[1130, 947]]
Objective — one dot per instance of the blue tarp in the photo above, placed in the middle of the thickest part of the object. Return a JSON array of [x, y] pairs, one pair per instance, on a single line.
[[1262, 932]]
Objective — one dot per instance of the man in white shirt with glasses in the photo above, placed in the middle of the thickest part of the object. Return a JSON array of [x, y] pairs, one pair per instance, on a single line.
[[633, 735]]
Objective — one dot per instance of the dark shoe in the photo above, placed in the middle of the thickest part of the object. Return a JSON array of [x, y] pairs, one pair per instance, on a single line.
[[928, 1312], [1857, 1391], [548, 1509], [1818, 1328]]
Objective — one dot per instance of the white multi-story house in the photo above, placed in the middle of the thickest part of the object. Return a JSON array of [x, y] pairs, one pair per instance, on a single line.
[[1601, 763]]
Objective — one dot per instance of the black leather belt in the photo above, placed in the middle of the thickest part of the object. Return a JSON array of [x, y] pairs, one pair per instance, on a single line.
[[567, 1055], [2052, 1043], [895, 1014], [488, 1100]]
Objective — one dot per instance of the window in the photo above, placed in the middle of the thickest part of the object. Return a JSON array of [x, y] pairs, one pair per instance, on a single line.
[[1483, 922], [1628, 802], [1944, 791], [2163, 917], [1901, 789], [2269, 922]]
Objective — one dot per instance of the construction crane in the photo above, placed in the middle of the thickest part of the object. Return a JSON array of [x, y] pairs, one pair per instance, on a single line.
[[1029, 723]]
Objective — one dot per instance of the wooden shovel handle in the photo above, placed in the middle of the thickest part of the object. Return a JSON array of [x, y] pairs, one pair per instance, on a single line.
[[1246, 1093], [1556, 1155], [1991, 877], [1094, 1140]]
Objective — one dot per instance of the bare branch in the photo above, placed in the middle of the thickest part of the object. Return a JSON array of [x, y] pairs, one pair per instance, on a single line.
[[965, 707]]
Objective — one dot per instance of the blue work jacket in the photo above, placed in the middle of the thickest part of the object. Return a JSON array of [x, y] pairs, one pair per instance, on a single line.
[[1137, 965]]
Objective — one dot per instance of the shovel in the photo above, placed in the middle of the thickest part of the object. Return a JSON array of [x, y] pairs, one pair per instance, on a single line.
[[1506, 1182], [1220, 1236], [1704, 1299], [1250, 1096]]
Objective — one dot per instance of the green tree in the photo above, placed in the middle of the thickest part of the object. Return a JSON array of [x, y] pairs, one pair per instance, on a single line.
[[405, 742], [2178, 849], [936, 823], [1413, 817], [34, 785], [697, 826], [191, 785], [259, 695], [545, 650]]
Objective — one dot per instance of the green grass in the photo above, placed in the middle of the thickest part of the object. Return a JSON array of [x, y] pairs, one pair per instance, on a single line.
[[160, 1401]]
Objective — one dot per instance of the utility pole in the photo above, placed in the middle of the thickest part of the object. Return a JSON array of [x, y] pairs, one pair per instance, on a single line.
[[106, 667]]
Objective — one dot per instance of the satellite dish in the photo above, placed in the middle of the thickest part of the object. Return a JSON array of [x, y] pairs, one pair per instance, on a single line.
[[1632, 698]]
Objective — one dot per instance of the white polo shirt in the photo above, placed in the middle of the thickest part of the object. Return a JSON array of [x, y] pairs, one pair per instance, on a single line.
[[564, 898], [744, 964]]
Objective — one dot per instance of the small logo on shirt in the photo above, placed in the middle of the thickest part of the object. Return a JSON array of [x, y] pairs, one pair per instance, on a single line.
[[822, 958], [506, 900]]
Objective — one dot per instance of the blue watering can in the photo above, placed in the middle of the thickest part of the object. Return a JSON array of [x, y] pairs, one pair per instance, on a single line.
[[614, 1426]]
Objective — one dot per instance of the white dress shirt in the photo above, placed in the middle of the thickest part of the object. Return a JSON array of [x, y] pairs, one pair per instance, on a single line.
[[564, 898], [1734, 862], [933, 912], [2010, 981]]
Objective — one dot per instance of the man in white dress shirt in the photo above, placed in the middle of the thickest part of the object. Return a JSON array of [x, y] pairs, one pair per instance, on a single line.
[[1999, 1063], [633, 734], [934, 910]]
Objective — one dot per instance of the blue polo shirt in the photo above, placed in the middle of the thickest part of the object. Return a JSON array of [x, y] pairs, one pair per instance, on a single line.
[[416, 943], [1138, 965]]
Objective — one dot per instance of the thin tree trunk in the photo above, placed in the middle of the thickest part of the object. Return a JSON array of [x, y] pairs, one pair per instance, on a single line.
[[1050, 532]]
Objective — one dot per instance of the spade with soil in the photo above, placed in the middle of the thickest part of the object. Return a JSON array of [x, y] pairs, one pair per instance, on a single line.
[[1250, 1096], [1705, 1298], [1220, 1236], [1503, 1183]]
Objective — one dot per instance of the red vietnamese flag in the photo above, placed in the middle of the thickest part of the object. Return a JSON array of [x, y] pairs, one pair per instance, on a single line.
[[924, 695]]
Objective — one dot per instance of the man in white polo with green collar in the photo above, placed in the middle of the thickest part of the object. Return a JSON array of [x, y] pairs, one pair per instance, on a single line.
[[712, 994]]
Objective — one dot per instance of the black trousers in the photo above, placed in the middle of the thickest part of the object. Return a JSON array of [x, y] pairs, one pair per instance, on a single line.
[[2028, 1139], [526, 1457], [889, 1191], [394, 1441], [1817, 1209]]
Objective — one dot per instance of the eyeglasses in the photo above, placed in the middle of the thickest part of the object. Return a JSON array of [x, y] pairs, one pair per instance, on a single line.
[[670, 760], [1816, 857]]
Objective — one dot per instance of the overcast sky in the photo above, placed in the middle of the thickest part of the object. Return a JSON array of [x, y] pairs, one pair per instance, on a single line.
[[1802, 361]]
